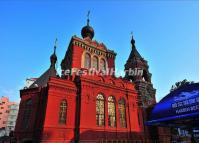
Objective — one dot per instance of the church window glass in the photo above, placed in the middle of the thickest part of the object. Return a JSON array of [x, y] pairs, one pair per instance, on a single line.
[[100, 110], [87, 63], [62, 113], [102, 65], [122, 113], [27, 113], [95, 62], [111, 112]]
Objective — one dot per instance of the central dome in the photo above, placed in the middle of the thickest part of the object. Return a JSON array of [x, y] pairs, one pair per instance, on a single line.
[[87, 31]]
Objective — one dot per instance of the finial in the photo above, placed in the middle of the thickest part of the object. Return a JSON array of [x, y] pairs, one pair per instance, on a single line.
[[131, 33], [53, 57], [132, 40], [55, 46], [88, 14]]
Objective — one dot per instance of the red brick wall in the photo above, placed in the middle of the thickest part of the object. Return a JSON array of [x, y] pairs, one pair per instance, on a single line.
[[59, 90], [88, 128]]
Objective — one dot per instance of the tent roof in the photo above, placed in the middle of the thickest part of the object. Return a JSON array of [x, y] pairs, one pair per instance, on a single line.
[[179, 108]]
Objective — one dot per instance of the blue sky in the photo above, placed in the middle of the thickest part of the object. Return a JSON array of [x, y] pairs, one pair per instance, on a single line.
[[166, 34]]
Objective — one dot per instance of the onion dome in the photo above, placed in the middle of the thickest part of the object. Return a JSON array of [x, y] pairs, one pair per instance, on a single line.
[[87, 31], [53, 57]]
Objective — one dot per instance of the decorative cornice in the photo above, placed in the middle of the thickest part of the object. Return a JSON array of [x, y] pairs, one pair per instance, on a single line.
[[30, 91], [99, 49], [62, 85], [91, 82]]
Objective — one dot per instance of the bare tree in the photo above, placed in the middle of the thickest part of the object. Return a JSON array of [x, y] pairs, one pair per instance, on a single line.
[[180, 84]]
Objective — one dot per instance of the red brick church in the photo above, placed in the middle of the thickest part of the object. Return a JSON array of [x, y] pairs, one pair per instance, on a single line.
[[87, 103]]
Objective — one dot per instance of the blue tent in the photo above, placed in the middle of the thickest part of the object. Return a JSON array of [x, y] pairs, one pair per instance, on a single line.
[[180, 108]]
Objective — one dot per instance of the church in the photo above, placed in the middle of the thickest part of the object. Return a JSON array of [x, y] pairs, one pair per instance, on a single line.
[[87, 103]]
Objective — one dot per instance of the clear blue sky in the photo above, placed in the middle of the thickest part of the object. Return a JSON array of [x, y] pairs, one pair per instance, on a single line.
[[166, 34]]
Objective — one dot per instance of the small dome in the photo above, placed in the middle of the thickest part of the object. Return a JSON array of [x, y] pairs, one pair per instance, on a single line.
[[87, 31], [53, 58]]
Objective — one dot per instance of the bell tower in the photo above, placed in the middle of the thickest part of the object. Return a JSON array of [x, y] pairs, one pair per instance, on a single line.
[[141, 77]]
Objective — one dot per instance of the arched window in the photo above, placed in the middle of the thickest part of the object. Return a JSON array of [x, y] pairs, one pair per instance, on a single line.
[[100, 110], [122, 113], [102, 65], [87, 61], [95, 63], [111, 112], [27, 113], [62, 112]]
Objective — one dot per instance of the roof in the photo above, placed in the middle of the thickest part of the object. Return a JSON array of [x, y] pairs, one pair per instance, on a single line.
[[43, 79], [135, 59], [51, 72], [135, 54], [179, 108]]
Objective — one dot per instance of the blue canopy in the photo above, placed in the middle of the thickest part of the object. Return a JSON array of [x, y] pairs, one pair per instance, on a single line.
[[180, 108]]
